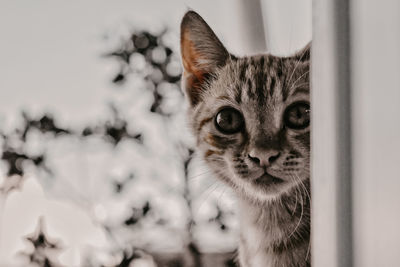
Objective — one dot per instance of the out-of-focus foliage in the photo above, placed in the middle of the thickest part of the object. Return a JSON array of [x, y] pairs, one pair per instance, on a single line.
[[143, 162], [43, 250]]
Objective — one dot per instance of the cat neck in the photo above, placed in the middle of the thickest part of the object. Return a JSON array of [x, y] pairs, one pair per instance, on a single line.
[[276, 233]]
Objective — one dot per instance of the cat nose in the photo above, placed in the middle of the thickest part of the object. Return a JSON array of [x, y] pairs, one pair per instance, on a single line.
[[264, 158]]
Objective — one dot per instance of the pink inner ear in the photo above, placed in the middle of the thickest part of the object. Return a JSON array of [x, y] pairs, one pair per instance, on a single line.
[[190, 56], [194, 73]]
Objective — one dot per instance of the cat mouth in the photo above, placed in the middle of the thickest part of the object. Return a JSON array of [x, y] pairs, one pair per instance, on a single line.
[[267, 180]]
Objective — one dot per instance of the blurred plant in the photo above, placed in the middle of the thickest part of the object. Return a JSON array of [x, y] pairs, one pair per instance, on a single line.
[[161, 67], [43, 250], [143, 56], [14, 155]]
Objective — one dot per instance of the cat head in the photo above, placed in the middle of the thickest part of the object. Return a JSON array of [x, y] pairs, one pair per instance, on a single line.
[[250, 115]]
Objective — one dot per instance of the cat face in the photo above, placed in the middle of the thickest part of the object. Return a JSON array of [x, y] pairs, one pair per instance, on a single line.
[[250, 115]]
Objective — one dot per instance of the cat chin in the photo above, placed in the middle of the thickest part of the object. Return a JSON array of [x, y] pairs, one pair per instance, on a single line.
[[264, 194], [248, 191], [258, 197]]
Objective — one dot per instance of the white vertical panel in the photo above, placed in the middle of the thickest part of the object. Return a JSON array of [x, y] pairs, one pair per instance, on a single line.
[[287, 24], [376, 124], [252, 35], [331, 132]]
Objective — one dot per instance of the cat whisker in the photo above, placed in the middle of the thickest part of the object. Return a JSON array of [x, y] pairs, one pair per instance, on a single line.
[[309, 198], [301, 76], [294, 70], [308, 251], [295, 67], [305, 188], [199, 175], [216, 185], [295, 204], [302, 207], [222, 193], [298, 85]]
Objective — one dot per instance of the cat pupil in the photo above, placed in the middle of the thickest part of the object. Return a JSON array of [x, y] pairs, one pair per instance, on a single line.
[[297, 116], [299, 113], [229, 121]]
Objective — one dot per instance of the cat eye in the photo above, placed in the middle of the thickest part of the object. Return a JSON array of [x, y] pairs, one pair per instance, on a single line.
[[229, 121], [297, 116]]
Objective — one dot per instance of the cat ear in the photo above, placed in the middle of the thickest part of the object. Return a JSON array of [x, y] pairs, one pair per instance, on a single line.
[[304, 54], [202, 53]]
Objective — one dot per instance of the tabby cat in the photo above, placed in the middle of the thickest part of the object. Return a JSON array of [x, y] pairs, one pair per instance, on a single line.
[[251, 117]]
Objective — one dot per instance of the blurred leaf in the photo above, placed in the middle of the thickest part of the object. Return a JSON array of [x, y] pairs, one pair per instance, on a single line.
[[44, 250]]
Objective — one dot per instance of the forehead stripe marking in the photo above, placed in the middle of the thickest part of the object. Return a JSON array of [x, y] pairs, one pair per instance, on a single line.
[[260, 86], [250, 92], [238, 95]]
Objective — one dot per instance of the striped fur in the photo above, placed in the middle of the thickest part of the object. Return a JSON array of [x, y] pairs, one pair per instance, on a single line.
[[275, 218]]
